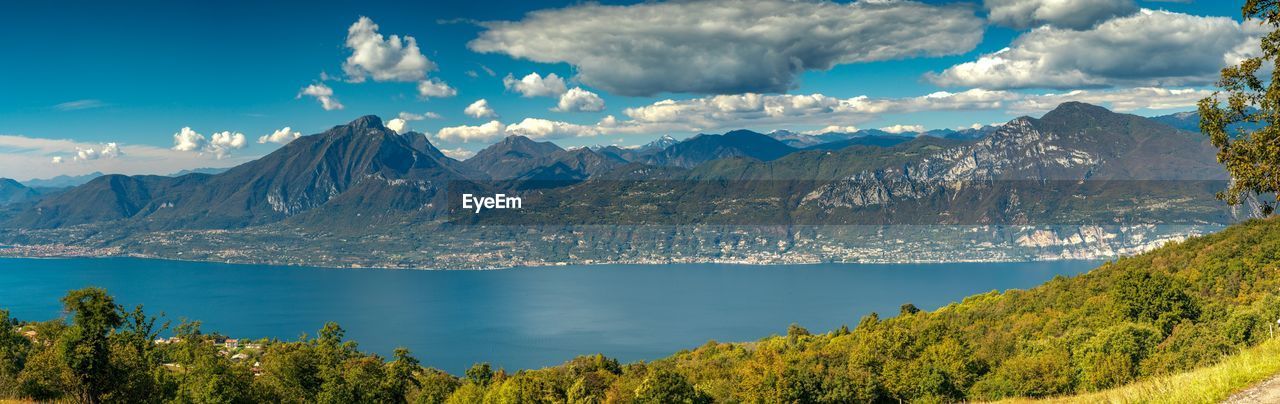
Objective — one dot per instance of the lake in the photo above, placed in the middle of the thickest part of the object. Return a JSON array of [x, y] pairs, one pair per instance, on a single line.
[[516, 318]]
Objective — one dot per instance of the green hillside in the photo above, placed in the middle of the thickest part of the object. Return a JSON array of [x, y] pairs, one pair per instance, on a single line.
[[1207, 385], [1181, 307]]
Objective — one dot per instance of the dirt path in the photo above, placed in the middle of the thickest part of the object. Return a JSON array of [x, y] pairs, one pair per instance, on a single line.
[[1267, 392]]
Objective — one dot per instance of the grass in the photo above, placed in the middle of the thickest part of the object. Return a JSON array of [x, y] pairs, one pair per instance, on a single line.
[[1210, 384]]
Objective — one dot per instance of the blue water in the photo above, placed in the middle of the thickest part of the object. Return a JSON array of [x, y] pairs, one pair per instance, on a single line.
[[517, 318]]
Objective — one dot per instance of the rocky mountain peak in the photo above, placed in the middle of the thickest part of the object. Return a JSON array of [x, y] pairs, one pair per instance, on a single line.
[[367, 122]]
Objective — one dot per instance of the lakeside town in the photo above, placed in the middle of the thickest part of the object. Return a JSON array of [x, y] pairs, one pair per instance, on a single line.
[[849, 244]]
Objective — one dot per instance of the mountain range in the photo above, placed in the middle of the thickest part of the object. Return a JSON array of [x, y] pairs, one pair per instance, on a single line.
[[1078, 164], [14, 192]]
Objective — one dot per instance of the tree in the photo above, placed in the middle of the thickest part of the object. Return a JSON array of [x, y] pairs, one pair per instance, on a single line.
[[1113, 357], [206, 376], [86, 346], [435, 386], [795, 330], [1251, 157], [908, 309], [134, 358], [480, 374], [665, 386], [13, 353], [400, 375]]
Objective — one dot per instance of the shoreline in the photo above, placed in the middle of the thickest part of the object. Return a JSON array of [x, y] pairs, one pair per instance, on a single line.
[[556, 265]]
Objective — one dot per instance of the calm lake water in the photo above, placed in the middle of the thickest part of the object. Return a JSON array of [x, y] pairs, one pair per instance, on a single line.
[[517, 318]]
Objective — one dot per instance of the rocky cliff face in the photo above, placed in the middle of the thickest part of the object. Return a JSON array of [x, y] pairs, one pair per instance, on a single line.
[[1076, 142]]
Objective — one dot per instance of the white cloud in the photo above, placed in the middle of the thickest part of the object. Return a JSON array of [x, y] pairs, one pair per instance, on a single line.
[[899, 129], [832, 129], [188, 140], [220, 145], [1151, 49], [106, 151], [722, 46], [282, 136], [489, 131], [537, 128], [579, 100], [1070, 14], [79, 105], [458, 153], [745, 110], [1125, 100], [322, 93], [571, 100], [409, 116], [394, 58], [534, 85], [480, 109], [399, 125], [35, 157], [435, 88]]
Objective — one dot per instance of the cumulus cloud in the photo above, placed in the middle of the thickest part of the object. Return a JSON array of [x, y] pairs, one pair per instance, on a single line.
[[399, 125], [435, 88], [832, 129], [579, 100], [735, 111], [489, 131], [393, 58], [106, 151], [899, 129], [722, 112], [571, 100], [220, 145], [534, 85], [1069, 14], [720, 47], [281, 136], [322, 93], [1130, 99], [480, 109], [187, 139], [537, 128], [35, 157], [1150, 48], [458, 153], [409, 116]]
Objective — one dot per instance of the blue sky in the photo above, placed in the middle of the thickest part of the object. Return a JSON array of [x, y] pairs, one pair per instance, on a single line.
[[83, 75]]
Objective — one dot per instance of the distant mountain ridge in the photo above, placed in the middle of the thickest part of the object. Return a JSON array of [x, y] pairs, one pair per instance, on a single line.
[[62, 181], [12, 191], [367, 192], [703, 148], [511, 157], [1190, 121]]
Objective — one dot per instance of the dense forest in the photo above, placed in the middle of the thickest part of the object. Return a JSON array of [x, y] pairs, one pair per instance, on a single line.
[[1182, 306]]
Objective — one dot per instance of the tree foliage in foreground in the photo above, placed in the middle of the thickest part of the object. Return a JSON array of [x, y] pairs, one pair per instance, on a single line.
[[1252, 100], [1170, 310]]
